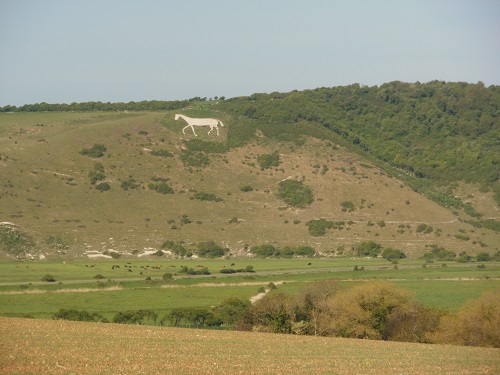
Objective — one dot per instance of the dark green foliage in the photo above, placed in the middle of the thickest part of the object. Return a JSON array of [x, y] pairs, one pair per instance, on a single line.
[[246, 188], [347, 206], [268, 160], [167, 276], [368, 249], [210, 249], [49, 278], [205, 146], [439, 253], [266, 251], [194, 158], [392, 254], [318, 228], [192, 271], [491, 224], [99, 277], [14, 241], [135, 317], [129, 184], [96, 176], [424, 228], [202, 196], [159, 253], [295, 193], [78, 315], [162, 188], [483, 257], [103, 186], [231, 310], [96, 151], [162, 153], [191, 316]]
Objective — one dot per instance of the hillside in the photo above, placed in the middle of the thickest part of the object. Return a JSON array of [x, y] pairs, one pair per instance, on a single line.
[[54, 189]]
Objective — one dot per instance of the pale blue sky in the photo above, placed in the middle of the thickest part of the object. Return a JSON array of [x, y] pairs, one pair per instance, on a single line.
[[63, 51]]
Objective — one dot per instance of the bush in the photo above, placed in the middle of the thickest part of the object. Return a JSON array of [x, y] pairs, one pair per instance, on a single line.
[[210, 250], [246, 188], [477, 323], [96, 151], [318, 228], [103, 186], [294, 193], [14, 241], [268, 160], [162, 188], [368, 249], [49, 278], [347, 206], [99, 276], [439, 253], [194, 159], [78, 315], [135, 317], [162, 153], [393, 254], [202, 196]]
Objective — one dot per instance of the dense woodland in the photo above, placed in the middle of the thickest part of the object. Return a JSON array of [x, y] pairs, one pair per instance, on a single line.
[[433, 134]]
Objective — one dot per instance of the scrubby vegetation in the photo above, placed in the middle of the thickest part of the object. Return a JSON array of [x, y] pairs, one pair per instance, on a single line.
[[266, 251], [96, 151], [295, 193], [14, 241]]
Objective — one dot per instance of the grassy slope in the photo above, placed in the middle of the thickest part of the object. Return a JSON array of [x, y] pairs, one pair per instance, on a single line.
[[33, 346], [45, 189]]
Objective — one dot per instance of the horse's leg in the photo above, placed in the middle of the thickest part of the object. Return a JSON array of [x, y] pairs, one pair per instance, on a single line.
[[217, 128], [192, 127], [183, 132], [211, 128]]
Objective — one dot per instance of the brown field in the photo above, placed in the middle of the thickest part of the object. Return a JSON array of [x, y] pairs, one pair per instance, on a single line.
[[29, 346]]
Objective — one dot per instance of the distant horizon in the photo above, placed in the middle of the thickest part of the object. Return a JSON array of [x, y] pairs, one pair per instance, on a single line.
[[56, 51], [217, 97]]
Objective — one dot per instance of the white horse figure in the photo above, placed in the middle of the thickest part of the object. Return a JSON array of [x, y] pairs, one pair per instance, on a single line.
[[192, 122]]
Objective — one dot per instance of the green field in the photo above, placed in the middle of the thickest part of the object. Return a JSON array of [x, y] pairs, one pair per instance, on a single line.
[[22, 292]]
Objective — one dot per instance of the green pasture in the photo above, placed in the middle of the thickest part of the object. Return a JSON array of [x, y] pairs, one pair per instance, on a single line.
[[22, 291]]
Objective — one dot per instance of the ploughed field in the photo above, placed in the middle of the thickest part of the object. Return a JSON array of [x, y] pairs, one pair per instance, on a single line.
[[62, 347]]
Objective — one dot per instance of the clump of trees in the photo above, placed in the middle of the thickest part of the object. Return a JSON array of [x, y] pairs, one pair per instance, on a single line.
[[15, 241], [78, 315], [295, 193], [377, 311], [267, 251], [203, 196]]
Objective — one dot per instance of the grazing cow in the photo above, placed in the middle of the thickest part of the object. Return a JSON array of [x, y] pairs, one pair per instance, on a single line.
[[232, 264]]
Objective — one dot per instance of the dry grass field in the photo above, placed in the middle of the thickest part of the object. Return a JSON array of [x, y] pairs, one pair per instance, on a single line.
[[30, 346]]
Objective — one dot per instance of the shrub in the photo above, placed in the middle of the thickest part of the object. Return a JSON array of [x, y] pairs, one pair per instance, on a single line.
[[246, 188], [210, 249], [159, 253], [368, 249], [14, 241], [96, 151], [318, 228], [483, 257], [392, 254], [295, 193], [99, 276], [129, 184], [439, 253], [96, 176], [167, 276], [268, 160], [78, 315], [162, 153], [202, 196], [477, 323], [49, 278], [135, 317], [194, 159], [103, 186], [347, 206], [162, 188]]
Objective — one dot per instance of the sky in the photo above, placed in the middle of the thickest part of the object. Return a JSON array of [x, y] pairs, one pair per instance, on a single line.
[[64, 51]]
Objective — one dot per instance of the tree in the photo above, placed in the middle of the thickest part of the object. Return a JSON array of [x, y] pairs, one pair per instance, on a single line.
[[368, 249], [295, 193], [231, 310], [477, 323]]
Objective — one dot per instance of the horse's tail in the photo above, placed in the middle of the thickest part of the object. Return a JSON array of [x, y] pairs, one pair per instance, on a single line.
[[220, 122]]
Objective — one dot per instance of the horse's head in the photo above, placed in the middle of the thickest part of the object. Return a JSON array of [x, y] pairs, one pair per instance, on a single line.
[[177, 116]]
